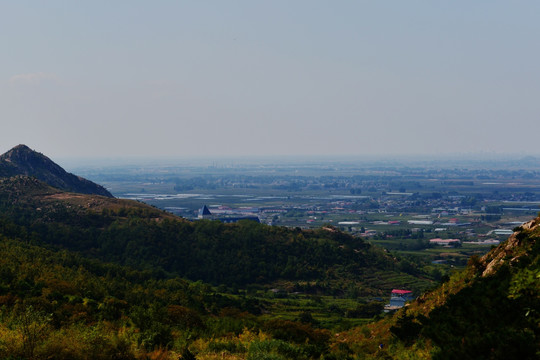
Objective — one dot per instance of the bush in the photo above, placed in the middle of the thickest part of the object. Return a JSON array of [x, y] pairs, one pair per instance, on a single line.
[[228, 346], [406, 329], [273, 350]]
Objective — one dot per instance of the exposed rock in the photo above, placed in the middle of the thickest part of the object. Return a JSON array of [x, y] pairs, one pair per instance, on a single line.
[[507, 251]]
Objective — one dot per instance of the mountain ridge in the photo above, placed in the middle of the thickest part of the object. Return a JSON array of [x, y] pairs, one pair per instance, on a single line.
[[21, 160]]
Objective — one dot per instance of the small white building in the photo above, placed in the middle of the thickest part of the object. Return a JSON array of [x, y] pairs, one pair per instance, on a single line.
[[446, 242]]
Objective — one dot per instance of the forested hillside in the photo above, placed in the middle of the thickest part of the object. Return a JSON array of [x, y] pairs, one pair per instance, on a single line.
[[137, 235], [90, 277], [56, 304], [59, 300]]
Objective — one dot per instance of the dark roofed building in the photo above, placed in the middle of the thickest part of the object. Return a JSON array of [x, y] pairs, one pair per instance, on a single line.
[[229, 220], [204, 213]]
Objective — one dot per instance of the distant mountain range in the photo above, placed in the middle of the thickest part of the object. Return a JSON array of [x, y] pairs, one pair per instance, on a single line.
[[21, 160]]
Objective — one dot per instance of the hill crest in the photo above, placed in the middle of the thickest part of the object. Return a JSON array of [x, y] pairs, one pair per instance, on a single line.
[[21, 160]]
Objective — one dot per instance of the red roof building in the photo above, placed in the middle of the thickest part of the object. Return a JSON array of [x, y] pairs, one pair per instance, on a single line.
[[399, 298], [401, 292]]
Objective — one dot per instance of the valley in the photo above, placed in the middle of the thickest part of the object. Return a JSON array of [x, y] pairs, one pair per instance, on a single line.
[[87, 276], [400, 205]]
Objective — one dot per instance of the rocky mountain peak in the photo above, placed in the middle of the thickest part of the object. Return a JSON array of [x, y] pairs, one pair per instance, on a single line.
[[21, 160]]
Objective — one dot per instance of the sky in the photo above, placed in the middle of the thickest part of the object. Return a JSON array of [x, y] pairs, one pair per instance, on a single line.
[[269, 78]]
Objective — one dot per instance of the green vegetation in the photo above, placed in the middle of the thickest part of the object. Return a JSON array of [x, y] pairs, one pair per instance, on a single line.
[[58, 304], [86, 277], [489, 311], [326, 260]]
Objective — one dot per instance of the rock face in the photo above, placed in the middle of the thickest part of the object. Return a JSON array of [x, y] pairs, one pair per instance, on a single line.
[[21, 160], [511, 250]]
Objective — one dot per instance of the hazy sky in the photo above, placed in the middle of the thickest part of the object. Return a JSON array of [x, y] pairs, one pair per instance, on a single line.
[[225, 78]]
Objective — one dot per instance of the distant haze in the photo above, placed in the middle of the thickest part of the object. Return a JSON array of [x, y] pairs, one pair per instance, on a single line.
[[270, 78]]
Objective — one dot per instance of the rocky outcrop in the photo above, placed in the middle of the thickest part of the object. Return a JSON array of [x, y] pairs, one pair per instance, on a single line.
[[511, 250]]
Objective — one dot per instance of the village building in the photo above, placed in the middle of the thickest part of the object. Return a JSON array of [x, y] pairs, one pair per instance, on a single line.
[[398, 298], [446, 242], [204, 213]]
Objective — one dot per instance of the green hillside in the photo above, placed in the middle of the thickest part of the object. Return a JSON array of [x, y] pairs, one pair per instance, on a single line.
[[93, 277], [57, 304], [131, 233], [491, 310], [60, 300]]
